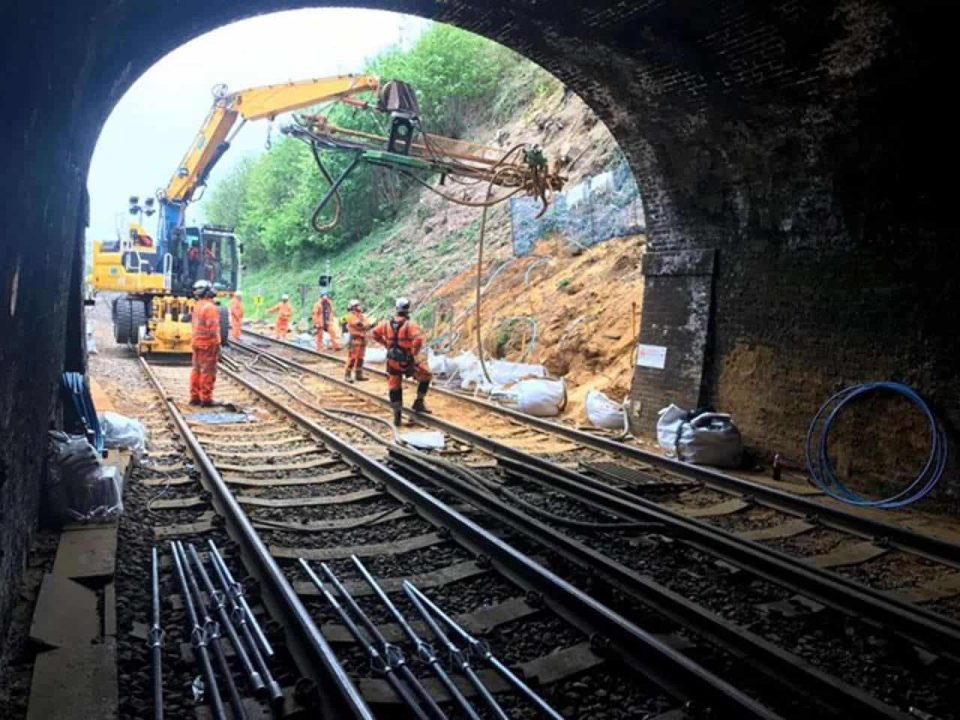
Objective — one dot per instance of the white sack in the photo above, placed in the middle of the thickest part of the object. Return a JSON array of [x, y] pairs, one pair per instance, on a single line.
[[120, 431], [602, 412], [538, 397], [707, 439]]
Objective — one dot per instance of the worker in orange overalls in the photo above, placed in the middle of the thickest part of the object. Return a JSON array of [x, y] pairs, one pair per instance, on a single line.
[[205, 342], [284, 311], [236, 315], [403, 339], [323, 321], [357, 326]]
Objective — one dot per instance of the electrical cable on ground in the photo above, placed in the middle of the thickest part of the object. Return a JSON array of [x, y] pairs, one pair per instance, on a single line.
[[821, 468]]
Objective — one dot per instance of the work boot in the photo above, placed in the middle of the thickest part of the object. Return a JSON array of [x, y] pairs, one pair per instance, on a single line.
[[207, 403], [360, 376], [419, 407], [397, 414], [194, 401], [346, 376]]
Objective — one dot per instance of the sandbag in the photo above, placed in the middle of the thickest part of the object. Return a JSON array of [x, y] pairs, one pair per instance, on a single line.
[[538, 397], [502, 372], [120, 431], [78, 488], [707, 438], [602, 412]]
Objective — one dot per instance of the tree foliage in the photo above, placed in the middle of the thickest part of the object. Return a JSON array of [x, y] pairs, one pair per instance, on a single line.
[[269, 200]]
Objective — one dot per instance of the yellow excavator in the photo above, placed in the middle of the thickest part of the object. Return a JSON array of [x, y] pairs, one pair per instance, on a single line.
[[157, 275]]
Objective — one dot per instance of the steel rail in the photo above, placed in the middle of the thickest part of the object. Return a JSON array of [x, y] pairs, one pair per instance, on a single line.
[[826, 515], [338, 696], [787, 668], [669, 669], [918, 625]]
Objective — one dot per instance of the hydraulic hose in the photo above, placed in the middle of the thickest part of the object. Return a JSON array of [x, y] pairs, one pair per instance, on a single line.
[[76, 384], [821, 468]]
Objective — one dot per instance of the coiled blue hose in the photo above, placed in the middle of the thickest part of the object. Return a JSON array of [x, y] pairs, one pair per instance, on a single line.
[[822, 470], [76, 384]]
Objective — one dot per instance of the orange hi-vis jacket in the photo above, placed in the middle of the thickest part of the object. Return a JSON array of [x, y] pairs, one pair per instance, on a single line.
[[409, 338], [357, 325], [283, 311], [206, 325], [236, 310], [323, 313]]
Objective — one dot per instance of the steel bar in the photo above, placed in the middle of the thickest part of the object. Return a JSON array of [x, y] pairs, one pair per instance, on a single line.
[[238, 595], [457, 656], [424, 650], [199, 638], [215, 600], [483, 650], [391, 652], [239, 614], [377, 661], [214, 639], [155, 639]]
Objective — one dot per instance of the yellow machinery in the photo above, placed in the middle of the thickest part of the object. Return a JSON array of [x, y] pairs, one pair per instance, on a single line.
[[157, 276]]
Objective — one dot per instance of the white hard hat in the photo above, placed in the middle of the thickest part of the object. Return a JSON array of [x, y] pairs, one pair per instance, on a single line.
[[352, 304], [284, 297], [403, 304], [238, 294]]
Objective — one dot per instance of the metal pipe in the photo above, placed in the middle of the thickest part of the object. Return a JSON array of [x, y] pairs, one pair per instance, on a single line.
[[457, 656], [392, 653], [199, 637], [424, 650], [377, 661], [155, 639], [215, 599], [236, 592], [483, 650], [239, 615], [214, 638]]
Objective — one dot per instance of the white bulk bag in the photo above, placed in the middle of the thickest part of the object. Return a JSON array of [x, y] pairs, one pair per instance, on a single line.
[[706, 439], [602, 412], [538, 397]]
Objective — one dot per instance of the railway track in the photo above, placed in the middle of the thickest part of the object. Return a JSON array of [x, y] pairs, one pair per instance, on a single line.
[[290, 491], [548, 494]]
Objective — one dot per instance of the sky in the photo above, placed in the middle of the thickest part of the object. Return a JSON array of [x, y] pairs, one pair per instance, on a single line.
[[153, 124]]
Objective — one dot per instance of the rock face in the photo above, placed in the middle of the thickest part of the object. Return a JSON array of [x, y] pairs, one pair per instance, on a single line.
[[803, 147]]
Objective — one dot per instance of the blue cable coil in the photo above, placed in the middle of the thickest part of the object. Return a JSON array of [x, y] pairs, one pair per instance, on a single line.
[[821, 468], [76, 384]]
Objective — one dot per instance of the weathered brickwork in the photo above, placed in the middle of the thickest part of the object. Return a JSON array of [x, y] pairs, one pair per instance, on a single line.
[[805, 145]]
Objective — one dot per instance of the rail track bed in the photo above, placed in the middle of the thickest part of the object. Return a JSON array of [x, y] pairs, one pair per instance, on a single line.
[[830, 612], [309, 499]]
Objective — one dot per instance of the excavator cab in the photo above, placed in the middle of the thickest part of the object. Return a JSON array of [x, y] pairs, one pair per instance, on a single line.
[[209, 252]]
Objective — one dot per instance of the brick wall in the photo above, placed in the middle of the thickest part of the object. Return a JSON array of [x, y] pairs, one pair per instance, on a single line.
[[804, 145]]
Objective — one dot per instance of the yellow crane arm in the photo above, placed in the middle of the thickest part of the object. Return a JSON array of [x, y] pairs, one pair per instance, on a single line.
[[254, 104]]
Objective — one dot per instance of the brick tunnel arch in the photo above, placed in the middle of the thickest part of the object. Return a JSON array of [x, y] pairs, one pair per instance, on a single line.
[[791, 156]]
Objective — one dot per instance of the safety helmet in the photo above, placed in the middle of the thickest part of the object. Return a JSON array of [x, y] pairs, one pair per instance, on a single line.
[[353, 304], [238, 294], [203, 288], [284, 297], [403, 305], [324, 293]]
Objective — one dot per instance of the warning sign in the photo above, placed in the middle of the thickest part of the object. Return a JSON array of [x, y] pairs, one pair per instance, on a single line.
[[652, 356], [258, 300]]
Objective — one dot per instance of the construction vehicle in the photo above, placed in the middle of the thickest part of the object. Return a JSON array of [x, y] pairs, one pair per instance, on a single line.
[[157, 275]]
